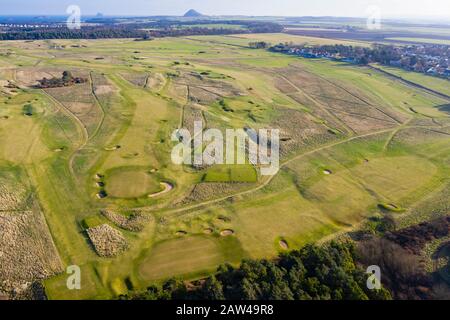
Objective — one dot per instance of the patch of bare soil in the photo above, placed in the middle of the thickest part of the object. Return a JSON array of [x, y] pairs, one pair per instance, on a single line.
[[135, 222], [107, 241], [27, 253]]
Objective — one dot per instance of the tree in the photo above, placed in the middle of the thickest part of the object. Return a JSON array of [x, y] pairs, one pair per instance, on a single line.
[[212, 289], [67, 76]]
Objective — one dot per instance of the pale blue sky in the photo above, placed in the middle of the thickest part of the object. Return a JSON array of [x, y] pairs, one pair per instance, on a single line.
[[389, 8]]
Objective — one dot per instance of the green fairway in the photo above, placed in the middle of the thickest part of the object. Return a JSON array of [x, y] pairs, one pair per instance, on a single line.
[[190, 256]]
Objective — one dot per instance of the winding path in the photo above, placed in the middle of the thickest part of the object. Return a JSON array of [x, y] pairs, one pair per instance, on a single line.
[[82, 127]]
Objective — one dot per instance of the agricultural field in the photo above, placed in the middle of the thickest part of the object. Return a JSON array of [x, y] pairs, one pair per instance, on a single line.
[[86, 176]]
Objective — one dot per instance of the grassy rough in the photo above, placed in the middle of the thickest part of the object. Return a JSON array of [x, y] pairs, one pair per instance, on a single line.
[[107, 241]]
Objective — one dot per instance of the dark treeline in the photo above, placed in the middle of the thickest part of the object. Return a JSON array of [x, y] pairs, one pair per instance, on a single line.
[[312, 273], [65, 33], [158, 29]]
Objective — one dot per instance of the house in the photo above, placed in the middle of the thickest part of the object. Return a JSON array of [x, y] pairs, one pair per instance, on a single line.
[[432, 71], [447, 72]]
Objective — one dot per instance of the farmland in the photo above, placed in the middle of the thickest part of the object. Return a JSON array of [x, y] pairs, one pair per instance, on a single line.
[[92, 161]]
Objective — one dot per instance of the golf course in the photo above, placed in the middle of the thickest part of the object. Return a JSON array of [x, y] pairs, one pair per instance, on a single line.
[[86, 176]]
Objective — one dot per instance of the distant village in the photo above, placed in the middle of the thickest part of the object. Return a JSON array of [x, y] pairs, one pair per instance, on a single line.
[[430, 59]]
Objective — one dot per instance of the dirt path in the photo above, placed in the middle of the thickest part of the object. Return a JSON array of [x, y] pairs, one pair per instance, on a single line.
[[97, 102], [84, 133], [394, 133]]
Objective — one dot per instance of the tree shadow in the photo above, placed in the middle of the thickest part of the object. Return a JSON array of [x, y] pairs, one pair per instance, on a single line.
[[444, 108]]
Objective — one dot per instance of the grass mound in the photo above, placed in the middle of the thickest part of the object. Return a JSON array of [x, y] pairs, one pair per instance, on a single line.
[[390, 207]]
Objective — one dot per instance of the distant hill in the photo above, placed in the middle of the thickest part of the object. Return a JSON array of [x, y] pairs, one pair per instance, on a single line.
[[193, 14]]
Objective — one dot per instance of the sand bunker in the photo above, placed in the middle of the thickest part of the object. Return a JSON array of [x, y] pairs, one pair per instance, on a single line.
[[226, 232], [327, 172], [208, 231], [102, 194], [284, 245], [99, 176], [113, 148], [390, 207], [167, 188]]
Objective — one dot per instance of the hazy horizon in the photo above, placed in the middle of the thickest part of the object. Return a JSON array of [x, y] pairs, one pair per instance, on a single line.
[[290, 8]]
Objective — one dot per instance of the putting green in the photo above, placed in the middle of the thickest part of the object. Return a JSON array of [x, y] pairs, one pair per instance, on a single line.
[[131, 182], [231, 173]]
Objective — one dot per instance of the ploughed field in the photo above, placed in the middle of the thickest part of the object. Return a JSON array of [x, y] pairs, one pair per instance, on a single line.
[[86, 176]]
